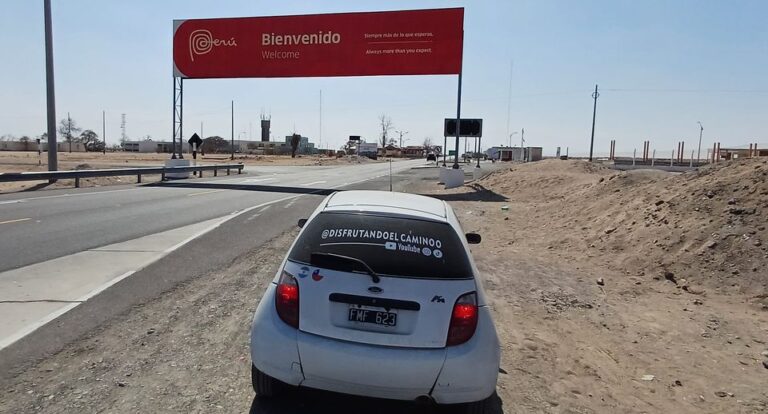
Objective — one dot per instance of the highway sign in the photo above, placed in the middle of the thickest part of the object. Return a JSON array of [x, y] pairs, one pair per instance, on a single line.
[[195, 139], [469, 127]]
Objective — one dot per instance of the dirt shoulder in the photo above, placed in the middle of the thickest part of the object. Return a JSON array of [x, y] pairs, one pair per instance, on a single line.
[[587, 319]]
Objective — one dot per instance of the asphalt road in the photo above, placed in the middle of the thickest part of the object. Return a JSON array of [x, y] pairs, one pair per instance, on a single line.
[[36, 227]]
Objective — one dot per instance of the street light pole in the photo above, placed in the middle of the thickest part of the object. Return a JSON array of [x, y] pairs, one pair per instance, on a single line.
[[701, 132], [510, 138], [50, 91]]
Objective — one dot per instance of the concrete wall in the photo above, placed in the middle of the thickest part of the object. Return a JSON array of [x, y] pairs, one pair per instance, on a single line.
[[153, 147], [32, 146]]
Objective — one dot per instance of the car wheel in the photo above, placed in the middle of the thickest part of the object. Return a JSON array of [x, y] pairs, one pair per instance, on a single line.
[[263, 384]]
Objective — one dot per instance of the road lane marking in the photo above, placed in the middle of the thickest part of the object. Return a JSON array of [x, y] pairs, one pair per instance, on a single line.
[[203, 193], [256, 180], [24, 200], [314, 182], [15, 221]]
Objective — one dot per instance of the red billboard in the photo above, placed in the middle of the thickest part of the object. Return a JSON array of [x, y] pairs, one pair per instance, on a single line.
[[413, 42]]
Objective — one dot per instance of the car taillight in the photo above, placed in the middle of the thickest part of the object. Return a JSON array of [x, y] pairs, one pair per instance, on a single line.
[[287, 299], [463, 320]]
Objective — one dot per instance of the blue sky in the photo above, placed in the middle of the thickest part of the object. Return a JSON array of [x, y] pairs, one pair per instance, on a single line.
[[661, 66]]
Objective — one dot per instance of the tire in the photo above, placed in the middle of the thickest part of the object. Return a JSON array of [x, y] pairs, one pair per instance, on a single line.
[[264, 385]]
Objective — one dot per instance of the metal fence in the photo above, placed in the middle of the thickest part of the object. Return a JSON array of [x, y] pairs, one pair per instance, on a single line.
[[138, 172]]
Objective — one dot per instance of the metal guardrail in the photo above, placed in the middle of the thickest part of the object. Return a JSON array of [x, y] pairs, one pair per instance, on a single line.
[[138, 172]]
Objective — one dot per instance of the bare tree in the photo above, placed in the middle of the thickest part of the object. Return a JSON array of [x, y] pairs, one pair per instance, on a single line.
[[386, 125], [68, 129], [427, 144], [295, 140]]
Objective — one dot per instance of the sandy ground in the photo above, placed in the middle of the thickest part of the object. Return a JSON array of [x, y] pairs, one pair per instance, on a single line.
[[608, 300], [583, 330], [11, 161]]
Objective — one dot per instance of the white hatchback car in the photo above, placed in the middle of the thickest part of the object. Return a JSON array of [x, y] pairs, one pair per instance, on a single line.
[[378, 297]]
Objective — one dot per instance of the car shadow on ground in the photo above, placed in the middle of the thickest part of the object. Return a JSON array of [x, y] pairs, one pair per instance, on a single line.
[[305, 401], [246, 187], [479, 193]]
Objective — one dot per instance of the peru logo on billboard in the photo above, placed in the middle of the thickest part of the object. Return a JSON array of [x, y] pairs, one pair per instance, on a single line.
[[202, 41], [414, 42]]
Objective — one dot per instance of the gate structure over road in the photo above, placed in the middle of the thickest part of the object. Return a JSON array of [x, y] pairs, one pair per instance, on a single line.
[[409, 42]]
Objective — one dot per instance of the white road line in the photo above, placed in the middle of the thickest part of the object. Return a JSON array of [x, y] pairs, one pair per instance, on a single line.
[[313, 183], [204, 192], [15, 221], [264, 209], [257, 180], [24, 200]]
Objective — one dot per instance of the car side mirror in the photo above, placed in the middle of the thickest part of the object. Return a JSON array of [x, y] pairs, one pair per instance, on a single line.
[[473, 238], [301, 223]]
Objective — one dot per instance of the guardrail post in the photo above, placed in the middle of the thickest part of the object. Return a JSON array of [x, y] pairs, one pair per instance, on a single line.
[[77, 182], [227, 171], [201, 173], [215, 172], [162, 175], [240, 170], [138, 178]]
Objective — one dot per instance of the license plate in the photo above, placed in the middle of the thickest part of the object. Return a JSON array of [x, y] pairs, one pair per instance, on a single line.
[[372, 316]]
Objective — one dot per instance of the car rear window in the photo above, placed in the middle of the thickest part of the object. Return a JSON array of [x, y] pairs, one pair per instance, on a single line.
[[389, 245]]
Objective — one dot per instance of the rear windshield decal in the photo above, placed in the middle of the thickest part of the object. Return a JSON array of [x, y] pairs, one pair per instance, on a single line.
[[391, 241], [381, 236], [392, 246]]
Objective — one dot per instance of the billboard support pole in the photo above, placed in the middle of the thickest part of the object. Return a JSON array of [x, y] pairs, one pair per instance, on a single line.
[[479, 140], [458, 126], [445, 148], [178, 115]]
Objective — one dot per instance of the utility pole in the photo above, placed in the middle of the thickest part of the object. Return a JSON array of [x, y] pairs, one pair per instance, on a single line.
[[50, 91], [232, 139], [701, 132], [320, 133], [522, 138], [594, 113], [201, 131], [509, 95], [401, 137], [69, 132], [104, 131]]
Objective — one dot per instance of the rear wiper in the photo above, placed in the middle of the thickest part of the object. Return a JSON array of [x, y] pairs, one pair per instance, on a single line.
[[330, 259]]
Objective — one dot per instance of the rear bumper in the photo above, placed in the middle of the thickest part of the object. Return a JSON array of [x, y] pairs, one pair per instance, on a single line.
[[368, 370], [452, 375], [471, 369]]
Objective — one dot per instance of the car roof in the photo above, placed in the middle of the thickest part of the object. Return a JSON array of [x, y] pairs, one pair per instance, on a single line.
[[388, 202]]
